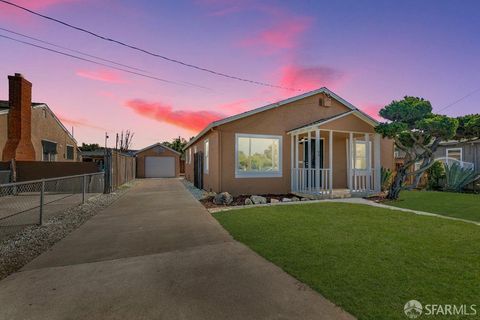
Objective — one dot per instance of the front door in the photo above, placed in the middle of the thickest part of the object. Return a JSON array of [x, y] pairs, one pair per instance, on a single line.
[[312, 159]]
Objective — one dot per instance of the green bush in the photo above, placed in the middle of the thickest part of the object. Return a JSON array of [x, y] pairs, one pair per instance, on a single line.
[[457, 178], [386, 177], [436, 176]]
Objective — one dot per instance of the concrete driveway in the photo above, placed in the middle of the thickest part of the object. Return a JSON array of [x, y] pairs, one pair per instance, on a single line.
[[156, 253]]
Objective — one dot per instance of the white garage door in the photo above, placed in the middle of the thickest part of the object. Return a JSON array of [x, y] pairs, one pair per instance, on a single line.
[[159, 167]]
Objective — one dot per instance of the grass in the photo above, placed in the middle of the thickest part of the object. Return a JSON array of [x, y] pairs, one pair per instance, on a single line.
[[458, 205], [370, 261]]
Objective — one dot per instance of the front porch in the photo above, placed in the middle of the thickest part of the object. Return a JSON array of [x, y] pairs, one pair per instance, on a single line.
[[329, 163]]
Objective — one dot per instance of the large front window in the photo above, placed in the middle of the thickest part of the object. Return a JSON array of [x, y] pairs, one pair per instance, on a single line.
[[258, 156]]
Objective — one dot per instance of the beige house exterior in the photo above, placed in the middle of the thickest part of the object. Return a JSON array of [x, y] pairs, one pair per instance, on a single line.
[[31, 131], [311, 144]]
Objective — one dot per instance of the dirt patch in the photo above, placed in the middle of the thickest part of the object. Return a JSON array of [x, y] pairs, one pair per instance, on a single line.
[[240, 200], [378, 198]]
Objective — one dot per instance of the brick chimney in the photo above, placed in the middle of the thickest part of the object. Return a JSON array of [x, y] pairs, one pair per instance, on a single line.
[[19, 144]]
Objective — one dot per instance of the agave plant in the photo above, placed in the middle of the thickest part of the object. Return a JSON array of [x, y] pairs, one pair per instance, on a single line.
[[386, 177], [457, 177]]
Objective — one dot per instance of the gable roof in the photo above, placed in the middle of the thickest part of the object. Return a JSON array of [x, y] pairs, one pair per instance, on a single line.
[[158, 144], [5, 108], [361, 115], [276, 105]]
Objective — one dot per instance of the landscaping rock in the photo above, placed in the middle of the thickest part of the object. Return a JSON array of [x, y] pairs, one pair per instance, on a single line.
[[223, 198], [258, 199], [248, 202], [295, 199], [287, 200], [274, 201], [305, 199]]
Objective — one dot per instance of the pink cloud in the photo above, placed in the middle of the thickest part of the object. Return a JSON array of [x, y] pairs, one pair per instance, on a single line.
[[372, 109], [310, 77], [12, 13], [41, 4], [283, 35], [101, 75], [78, 122], [187, 119]]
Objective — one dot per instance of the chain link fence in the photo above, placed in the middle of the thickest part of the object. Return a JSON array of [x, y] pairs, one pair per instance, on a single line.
[[33, 202]]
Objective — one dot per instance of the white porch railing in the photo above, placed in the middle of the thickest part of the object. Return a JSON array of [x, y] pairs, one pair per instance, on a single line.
[[311, 181], [362, 181]]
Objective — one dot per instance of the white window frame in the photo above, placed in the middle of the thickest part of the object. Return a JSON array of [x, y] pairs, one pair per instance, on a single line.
[[367, 160], [275, 174], [66, 152], [52, 157], [189, 154], [206, 155], [454, 149]]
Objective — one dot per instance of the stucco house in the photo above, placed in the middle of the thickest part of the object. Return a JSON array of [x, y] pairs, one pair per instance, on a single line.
[[31, 131], [313, 143], [157, 161]]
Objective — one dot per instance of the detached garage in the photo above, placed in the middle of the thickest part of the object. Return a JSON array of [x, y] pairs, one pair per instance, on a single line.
[[158, 161]]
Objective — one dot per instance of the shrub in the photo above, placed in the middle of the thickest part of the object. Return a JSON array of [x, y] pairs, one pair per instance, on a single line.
[[436, 176], [386, 177], [457, 178]]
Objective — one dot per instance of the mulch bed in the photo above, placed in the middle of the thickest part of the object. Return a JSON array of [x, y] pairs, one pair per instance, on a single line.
[[377, 198], [240, 200]]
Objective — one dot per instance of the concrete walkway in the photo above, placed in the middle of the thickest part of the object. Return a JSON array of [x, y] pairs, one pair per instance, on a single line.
[[156, 253]]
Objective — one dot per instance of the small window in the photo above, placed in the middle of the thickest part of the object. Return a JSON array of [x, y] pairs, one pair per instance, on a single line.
[[70, 153], [189, 155], [206, 156], [258, 156], [455, 153], [417, 165], [49, 150]]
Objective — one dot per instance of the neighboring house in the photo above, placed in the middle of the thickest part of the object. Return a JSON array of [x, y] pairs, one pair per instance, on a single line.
[[157, 161], [31, 131], [465, 153], [97, 156], [312, 143]]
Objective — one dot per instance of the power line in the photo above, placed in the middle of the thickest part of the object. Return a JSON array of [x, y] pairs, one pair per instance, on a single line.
[[72, 50], [185, 64], [462, 98], [96, 62]]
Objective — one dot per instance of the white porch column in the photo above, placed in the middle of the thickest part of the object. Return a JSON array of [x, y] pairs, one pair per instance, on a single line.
[[309, 171], [377, 163], [351, 161], [330, 160], [317, 160], [296, 162], [369, 161]]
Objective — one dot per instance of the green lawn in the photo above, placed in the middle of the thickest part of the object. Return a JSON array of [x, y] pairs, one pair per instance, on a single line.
[[370, 261], [458, 205]]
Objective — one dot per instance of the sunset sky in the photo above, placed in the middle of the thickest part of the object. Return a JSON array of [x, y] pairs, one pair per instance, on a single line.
[[368, 52]]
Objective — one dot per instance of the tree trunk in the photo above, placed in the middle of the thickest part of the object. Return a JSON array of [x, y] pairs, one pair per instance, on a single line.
[[396, 185]]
